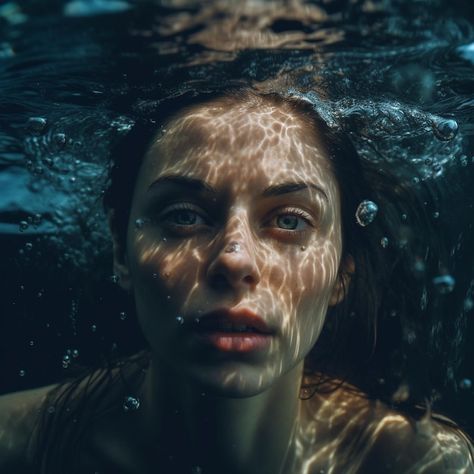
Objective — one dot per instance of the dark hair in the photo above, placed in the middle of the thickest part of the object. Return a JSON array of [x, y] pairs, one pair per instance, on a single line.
[[384, 279], [361, 341]]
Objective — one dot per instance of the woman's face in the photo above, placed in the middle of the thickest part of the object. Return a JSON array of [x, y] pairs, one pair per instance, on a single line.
[[235, 212]]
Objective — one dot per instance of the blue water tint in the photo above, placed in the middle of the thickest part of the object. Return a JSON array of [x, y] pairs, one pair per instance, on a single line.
[[78, 8]]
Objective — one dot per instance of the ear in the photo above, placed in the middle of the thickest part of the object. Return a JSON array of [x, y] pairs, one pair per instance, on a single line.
[[120, 260], [346, 270]]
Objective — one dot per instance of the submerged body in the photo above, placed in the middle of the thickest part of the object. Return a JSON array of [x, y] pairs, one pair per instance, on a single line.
[[341, 432], [234, 226]]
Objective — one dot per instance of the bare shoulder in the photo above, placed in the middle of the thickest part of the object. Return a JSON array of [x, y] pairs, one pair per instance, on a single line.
[[18, 415], [368, 436], [427, 445]]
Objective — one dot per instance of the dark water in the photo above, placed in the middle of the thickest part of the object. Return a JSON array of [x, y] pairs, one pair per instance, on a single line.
[[398, 75]]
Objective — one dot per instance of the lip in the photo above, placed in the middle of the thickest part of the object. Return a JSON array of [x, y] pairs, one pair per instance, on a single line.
[[243, 316], [206, 330]]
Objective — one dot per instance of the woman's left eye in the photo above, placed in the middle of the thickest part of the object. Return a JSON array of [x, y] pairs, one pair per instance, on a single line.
[[294, 220], [183, 216]]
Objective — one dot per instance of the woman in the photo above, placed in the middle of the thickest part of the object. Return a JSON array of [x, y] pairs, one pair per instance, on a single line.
[[240, 227]]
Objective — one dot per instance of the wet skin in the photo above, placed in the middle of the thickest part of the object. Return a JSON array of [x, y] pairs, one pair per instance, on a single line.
[[254, 177], [220, 176]]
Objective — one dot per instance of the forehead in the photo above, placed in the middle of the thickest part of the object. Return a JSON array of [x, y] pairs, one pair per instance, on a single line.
[[220, 140]]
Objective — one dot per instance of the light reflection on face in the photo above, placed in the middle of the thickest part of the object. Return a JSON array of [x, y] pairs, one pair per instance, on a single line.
[[232, 173]]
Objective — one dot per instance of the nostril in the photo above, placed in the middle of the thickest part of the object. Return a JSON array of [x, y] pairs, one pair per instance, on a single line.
[[249, 280]]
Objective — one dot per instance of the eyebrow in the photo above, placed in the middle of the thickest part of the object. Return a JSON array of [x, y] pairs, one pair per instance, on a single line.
[[187, 182], [292, 187], [197, 185]]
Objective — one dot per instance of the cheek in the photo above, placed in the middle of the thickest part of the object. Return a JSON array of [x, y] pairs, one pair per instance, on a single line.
[[162, 273]]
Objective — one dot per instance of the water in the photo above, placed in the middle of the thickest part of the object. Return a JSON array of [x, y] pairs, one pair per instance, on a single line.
[[398, 75]]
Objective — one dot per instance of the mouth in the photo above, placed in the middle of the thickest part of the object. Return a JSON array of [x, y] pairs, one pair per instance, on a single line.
[[238, 331], [232, 321]]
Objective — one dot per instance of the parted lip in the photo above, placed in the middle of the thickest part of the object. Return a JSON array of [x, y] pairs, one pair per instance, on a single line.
[[244, 317]]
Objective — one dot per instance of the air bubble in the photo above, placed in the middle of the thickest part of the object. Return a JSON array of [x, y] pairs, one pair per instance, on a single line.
[[196, 470], [93, 328], [51, 410], [66, 361], [180, 320], [445, 129], [139, 223], [465, 384], [444, 284], [28, 246], [22, 373], [114, 279], [366, 212], [384, 242], [435, 215], [130, 403], [37, 124], [31, 343], [59, 139], [123, 315], [468, 304], [23, 226]]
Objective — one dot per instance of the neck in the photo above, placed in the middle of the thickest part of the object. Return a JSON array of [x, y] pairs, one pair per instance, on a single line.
[[193, 428]]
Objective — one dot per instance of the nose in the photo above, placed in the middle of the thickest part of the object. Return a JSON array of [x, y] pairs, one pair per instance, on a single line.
[[234, 266]]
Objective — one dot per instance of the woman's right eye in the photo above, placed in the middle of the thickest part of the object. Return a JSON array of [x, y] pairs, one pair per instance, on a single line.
[[183, 217]]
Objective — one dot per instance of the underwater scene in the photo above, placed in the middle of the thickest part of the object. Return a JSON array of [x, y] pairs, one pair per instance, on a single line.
[[395, 76]]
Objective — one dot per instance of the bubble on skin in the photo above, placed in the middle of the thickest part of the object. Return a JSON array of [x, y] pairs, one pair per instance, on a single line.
[[23, 226], [130, 403], [465, 384], [366, 212], [303, 248], [384, 242], [444, 284]]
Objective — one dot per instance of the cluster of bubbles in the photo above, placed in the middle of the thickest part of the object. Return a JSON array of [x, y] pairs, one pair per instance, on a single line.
[[68, 357]]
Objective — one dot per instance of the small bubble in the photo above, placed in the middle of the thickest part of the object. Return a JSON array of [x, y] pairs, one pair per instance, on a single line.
[[51, 410], [139, 223], [40, 294], [114, 279], [31, 343], [66, 361], [468, 304], [164, 239], [37, 124], [72, 179], [180, 320], [197, 320], [435, 215], [393, 313], [22, 287], [168, 297], [59, 139], [23, 226], [465, 384], [416, 180], [410, 337], [22, 373], [155, 275], [445, 129], [303, 248], [28, 246], [196, 470], [444, 284], [366, 212], [384, 242], [93, 328], [419, 266], [404, 217], [123, 315], [130, 403]]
